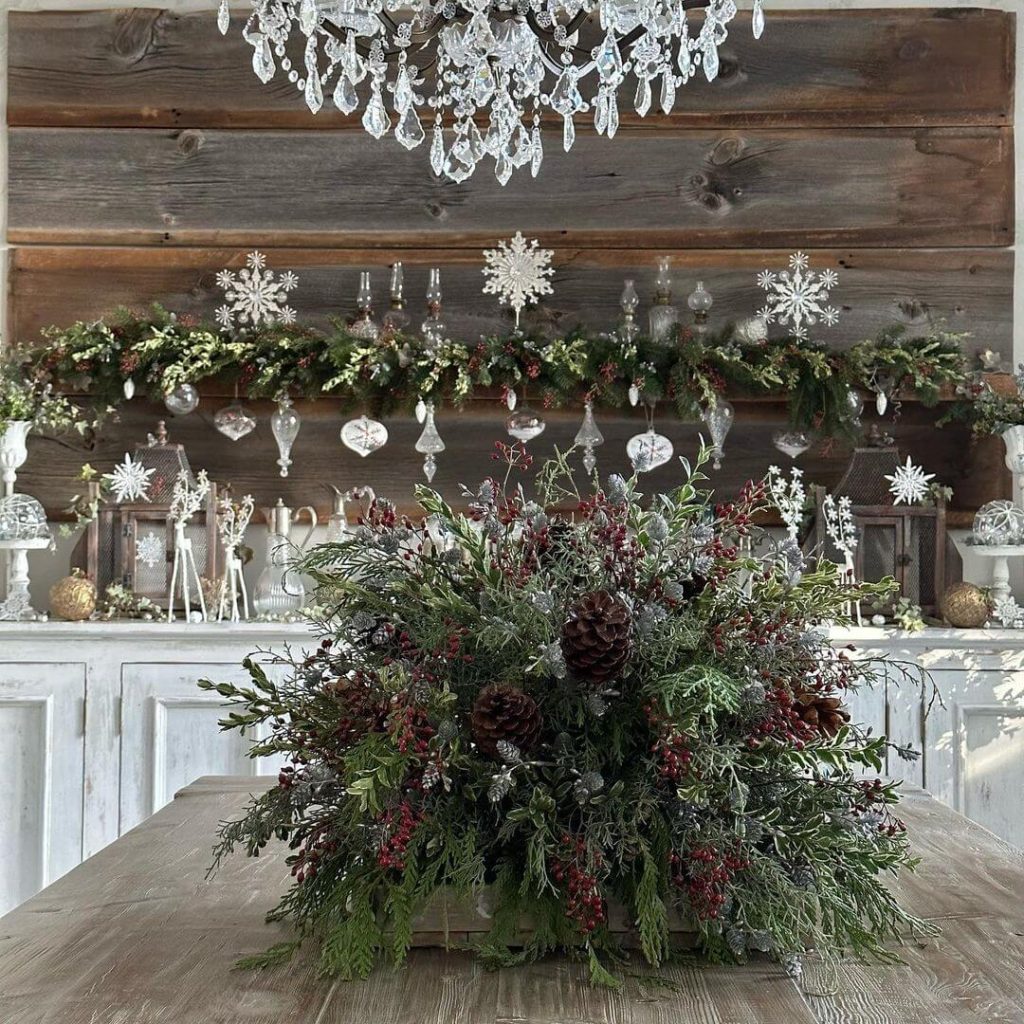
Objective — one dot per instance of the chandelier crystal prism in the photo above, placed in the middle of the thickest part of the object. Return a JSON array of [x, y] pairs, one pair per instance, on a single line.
[[483, 74]]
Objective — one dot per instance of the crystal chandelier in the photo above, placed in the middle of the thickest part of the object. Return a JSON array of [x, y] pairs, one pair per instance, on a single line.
[[494, 68]]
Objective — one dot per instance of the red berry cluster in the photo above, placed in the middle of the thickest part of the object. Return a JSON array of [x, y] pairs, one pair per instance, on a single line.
[[670, 746], [410, 729], [315, 848], [399, 826], [573, 868], [873, 795], [706, 872]]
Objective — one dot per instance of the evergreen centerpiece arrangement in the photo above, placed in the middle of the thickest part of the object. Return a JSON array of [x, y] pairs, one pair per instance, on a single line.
[[622, 714]]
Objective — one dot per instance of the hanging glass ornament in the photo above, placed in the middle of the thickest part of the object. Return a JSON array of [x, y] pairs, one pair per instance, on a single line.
[[284, 425], [129, 389], [791, 442], [234, 421], [649, 450], [855, 404], [718, 419], [429, 444], [364, 436], [182, 400], [628, 303], [511, 398], [588, 437], [634, 394], [421, 411], [524, 424]]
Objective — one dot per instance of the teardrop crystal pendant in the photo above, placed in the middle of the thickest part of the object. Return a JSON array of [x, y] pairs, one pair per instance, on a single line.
[[234, 421], [881, 402], [718, 419], [129, 389], [524, 424], [588, 437], [429, 443], [791, 442], [511, 398], [757, 19], [224, 17], [649, 450], [421, 411], [182, 400], [364, 436], [284, 425]]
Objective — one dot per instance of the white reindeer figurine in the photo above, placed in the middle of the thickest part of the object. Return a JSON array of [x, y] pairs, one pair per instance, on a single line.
[[186, 501]]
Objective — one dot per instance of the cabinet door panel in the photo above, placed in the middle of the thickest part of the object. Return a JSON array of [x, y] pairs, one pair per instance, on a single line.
[[170, 734], [41, 735], [975, 741]]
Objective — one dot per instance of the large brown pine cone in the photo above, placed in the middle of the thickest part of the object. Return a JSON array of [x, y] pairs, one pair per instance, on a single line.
[[825, 714], [503, 712], [595, 638]]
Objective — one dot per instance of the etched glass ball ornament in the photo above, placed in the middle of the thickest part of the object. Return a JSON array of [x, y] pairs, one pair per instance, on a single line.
[[234, 422], [524, 424], [22, 517], [364, 436], [649, 450], [182, 400], [999, 524]]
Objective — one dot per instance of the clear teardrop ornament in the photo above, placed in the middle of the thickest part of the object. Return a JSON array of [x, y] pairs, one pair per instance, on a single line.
[[437, 151], [718, 419], [757, 19], [224, 17], [346, 99], [263, 61]]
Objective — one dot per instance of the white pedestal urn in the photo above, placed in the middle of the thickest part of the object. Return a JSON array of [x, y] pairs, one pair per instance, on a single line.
[[1013, 438], [13, 451]]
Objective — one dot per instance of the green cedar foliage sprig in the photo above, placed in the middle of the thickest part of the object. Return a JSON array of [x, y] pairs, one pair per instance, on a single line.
[[712, 784]]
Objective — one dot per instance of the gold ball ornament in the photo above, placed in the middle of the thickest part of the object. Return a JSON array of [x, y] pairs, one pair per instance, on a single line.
[[74, 597], [965, 606]]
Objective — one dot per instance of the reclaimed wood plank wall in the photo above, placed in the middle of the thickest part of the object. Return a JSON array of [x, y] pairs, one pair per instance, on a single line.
[[144, 156]]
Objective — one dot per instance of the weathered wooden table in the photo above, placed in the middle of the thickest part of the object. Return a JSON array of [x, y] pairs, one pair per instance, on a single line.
[[136, 935]]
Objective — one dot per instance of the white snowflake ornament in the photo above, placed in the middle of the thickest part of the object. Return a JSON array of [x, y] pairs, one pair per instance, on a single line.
[[909, 484], [129, 481], [255, 297], [150, 550], [517, 272], [798, 297]]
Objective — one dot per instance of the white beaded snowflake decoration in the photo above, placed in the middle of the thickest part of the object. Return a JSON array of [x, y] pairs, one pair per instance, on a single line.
[[255, 296], [909, 483], [517, 272], [798, 298], [129, 481]]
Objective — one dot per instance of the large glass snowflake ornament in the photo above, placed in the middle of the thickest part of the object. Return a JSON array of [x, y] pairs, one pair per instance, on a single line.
[[798, 298], [129, 481], [255, 296], [495, 63], [909, 484], [517, 272]]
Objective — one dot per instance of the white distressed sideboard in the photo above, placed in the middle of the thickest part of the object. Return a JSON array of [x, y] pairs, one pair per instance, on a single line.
[[100, 725]]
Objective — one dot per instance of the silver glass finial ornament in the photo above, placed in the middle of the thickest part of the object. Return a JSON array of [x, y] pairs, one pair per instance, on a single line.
[[629, 302], [588, 437], [284, 425], [429, 444], [718, 419], [433, 326]]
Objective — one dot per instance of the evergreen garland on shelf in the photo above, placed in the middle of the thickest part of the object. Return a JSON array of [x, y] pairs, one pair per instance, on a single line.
[[619, 709], [159, 351]]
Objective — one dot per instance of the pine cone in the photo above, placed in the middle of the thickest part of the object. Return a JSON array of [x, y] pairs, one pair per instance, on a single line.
[[503, 712], [824, 714], [595, 639]]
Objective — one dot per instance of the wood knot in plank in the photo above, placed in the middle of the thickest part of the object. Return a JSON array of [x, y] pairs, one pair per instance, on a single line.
[[135, 34], [914, 49], [191, 141]]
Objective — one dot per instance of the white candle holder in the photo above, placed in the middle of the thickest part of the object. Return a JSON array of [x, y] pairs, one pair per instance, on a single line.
[[17, 605], [1000, 555]]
